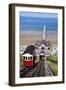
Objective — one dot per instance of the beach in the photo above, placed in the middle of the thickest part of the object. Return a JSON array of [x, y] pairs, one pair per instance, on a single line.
[[30, 37]]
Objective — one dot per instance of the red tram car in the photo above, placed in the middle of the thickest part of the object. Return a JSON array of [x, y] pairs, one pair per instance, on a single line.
[[28, 60], [28, 56]]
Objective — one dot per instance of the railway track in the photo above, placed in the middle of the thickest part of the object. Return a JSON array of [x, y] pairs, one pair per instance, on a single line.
[[40, 70], [31, 71], [24, 71], [47, 70]]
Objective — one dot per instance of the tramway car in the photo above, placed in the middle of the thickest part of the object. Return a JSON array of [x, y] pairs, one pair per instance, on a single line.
[[28, 57]]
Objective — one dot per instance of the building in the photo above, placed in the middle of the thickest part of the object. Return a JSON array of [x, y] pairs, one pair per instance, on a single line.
[[43, 45]]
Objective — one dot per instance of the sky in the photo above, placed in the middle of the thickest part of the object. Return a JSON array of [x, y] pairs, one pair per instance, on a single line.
[[35, 21]]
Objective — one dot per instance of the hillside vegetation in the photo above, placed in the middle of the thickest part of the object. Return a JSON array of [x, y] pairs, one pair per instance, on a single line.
[[52, 62]]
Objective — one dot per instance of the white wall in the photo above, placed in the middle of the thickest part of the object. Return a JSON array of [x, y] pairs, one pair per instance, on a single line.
[[4, 45]]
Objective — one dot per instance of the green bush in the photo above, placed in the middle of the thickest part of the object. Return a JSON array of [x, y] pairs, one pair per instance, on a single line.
[[53, 58], [53, 67]]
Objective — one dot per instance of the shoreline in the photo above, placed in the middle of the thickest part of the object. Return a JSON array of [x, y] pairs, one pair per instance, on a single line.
[[31, 38]]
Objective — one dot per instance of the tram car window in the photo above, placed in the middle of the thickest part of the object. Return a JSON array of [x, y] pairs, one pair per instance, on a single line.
[[24, 57], [43, 48]]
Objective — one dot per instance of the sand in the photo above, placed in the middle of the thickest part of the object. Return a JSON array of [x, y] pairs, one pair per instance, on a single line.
[[27, 38]]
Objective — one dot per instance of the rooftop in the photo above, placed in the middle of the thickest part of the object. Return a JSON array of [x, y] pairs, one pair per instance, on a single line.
[[46, 43]]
